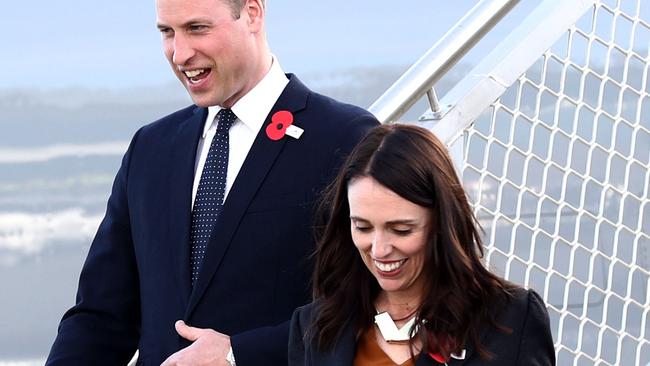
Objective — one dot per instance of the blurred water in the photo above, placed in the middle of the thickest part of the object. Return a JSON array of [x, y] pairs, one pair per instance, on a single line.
[[33, 362]]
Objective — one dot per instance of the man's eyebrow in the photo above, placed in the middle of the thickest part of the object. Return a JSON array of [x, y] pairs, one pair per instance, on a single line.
[[190, 22]]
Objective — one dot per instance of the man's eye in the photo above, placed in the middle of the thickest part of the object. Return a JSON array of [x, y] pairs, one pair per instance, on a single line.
[[198, 28], [165, 31]]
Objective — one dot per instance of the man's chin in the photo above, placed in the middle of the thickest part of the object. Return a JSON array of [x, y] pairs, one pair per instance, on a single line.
[[203, 104], [202, 101]]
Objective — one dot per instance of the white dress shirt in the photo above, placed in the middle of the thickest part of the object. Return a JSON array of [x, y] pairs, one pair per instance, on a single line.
[[251, 111]]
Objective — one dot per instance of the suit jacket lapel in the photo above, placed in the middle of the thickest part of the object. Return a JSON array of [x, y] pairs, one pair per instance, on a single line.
[[426, 360], [469, 349], [182, 180], [258, 162]]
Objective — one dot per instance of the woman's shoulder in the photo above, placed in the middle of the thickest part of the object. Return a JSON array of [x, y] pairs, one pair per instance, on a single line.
[[524, 302], [525, 336], [300, 322], [520, 333], [307, 311], [303, 316]]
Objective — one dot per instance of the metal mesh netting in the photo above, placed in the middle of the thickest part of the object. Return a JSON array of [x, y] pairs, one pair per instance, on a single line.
[[558, 172]]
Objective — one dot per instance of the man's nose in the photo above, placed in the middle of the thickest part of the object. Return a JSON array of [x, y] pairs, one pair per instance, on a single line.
[[183, 51]]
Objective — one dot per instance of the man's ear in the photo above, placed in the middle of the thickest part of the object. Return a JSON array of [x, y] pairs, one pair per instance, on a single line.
[[254, 10]]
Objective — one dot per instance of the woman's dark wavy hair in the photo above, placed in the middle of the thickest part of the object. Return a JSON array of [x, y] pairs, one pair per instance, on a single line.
[[461, 294]]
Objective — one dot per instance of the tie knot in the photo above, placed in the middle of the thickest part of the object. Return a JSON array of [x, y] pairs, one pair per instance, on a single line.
[[225, 119]]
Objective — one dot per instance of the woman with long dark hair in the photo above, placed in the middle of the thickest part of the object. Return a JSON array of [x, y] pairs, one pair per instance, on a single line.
[[399, 278]]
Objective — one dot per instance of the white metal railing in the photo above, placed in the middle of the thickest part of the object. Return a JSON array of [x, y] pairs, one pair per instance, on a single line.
[[419, 79], [554, 132]]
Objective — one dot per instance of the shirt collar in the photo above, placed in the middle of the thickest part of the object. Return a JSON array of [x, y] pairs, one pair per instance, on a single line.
[[252, 108]]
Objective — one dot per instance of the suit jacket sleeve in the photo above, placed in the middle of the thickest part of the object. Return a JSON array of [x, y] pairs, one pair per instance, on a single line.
[[536, 345], [103, 327], [268, 345]]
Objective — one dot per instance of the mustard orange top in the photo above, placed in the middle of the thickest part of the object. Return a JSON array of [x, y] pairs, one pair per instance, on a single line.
[[370, 354]]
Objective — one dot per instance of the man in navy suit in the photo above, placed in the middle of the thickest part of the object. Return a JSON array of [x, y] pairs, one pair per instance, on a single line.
[[136, 289]]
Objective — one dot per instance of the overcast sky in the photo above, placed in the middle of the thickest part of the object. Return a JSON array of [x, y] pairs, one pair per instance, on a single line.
[[115, 43]]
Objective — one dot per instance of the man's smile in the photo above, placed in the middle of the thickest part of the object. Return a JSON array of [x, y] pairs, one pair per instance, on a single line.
[[197, 75]]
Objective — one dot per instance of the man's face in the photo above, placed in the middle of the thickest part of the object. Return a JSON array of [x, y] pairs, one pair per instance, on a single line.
[[211, 53]]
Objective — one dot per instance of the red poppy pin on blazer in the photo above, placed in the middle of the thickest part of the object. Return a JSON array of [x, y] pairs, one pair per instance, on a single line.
[[282, 124]]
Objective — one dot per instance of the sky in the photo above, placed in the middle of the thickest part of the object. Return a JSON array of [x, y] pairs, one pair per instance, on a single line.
[[115, 44]]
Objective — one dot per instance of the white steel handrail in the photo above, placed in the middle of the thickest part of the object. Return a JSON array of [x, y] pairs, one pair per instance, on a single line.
[[509, 60], [428, 70]]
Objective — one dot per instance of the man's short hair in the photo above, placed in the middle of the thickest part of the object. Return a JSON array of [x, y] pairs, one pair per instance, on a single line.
[[237, 5]]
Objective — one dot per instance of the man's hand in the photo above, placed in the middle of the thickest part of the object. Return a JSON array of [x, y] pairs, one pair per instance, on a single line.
[[209, 348]]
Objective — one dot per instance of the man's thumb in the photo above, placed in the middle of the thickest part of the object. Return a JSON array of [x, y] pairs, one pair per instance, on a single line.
[[187, 332]]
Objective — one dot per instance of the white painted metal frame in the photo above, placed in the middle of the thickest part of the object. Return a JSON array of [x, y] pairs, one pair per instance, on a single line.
[[420, 78], [553, 134], [514, 55]]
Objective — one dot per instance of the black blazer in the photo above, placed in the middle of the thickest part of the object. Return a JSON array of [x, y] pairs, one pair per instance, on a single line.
[[135, 282], [529, 344]]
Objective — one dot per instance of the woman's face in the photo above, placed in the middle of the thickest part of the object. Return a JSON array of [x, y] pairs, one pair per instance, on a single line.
[[390, 233]]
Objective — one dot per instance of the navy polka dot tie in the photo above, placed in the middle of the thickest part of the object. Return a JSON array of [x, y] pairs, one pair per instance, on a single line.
[[210, 194]]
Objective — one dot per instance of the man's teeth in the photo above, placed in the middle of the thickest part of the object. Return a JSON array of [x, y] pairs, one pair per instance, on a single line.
[[389, 267], [194, 73]]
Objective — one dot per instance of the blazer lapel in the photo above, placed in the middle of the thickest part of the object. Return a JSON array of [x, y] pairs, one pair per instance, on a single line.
[[469, 350], [181, 179], [426, 360], [258, 162]]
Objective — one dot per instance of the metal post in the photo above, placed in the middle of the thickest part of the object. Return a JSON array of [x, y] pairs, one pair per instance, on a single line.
[[420, 77]]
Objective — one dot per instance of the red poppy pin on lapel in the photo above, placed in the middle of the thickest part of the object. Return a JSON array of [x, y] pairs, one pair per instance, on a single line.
[[438, 358], [441, 360], [282, 124]]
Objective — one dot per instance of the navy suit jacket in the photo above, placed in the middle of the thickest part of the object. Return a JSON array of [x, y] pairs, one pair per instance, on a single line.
[[135, 282], [529, 344]]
